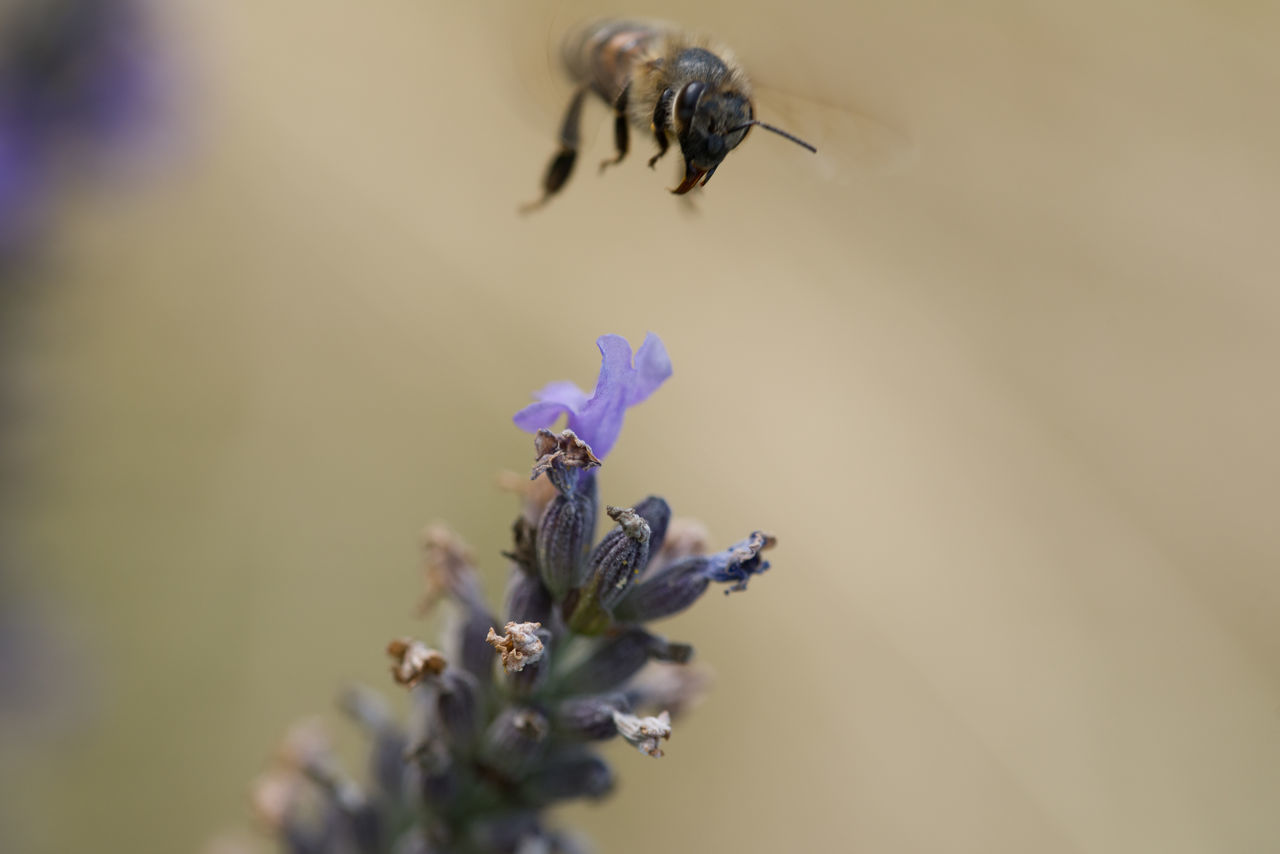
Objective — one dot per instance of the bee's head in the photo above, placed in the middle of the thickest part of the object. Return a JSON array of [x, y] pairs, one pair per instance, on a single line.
[[709, 124]]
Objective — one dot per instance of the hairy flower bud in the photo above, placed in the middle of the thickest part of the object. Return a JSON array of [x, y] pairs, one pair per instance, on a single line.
[[589, 718], [510, 830], [567, 775], [613, 565], [472, 653], [657, 513], [458, 705], [515, 740], [386, 760], [678, 586], [528, 600], [434, 773], [617, 658], [564, 536]]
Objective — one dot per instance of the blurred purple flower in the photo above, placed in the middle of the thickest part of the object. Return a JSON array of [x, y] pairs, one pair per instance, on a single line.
[[76, 77], [598, 419]]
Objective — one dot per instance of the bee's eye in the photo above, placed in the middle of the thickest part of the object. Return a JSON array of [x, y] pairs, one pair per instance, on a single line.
[[687, 103]]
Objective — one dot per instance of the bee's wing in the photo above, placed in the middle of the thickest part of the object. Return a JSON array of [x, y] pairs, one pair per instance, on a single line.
[[535, 85], [850, 141]]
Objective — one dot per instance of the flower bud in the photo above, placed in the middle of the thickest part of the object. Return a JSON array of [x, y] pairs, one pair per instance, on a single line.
[[458, 705], [657, 513], [617, 658], [386, 761], [589, 718], [613, 565], [678, 586], [668, 592], [505, 831], [434, 774], [471, 651], [515, 740], [528, 600], [567, 775], [564, 536]]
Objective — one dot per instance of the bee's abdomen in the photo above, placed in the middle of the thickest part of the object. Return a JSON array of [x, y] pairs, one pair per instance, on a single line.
[[604, 53]]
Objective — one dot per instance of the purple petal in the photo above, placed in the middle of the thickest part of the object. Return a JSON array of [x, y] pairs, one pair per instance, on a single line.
[[653, 367], [598, 419], [535, 416], [565, 392]]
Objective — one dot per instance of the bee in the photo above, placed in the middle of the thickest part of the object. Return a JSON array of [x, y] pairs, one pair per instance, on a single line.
[[659, 79]]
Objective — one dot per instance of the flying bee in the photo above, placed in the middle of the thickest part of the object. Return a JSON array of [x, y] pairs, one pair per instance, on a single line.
[[659, 79]]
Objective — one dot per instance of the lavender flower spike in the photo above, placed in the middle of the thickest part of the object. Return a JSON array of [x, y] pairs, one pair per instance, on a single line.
[[597, 419]]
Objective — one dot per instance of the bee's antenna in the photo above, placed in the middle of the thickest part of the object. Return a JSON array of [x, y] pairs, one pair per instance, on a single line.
[[779, 131]]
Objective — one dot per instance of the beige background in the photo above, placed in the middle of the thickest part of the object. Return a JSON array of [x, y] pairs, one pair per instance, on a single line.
[[1002, 379]]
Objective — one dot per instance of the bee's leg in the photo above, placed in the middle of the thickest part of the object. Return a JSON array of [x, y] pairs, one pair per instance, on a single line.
[[660, 115], [620, 136], [561, 166]]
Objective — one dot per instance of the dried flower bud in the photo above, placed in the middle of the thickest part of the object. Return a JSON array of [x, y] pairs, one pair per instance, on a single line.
[[613, 565], [589, 718], [741, 561], [306, 744], [415, 661], [448, 568], [515, 740], [518, 647], [644, 733], [274, 796], [676, 587], [559, 457], [534, 676], [564, 536]]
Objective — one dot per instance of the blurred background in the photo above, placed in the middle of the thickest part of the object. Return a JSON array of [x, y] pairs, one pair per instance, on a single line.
[[998, 367]]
